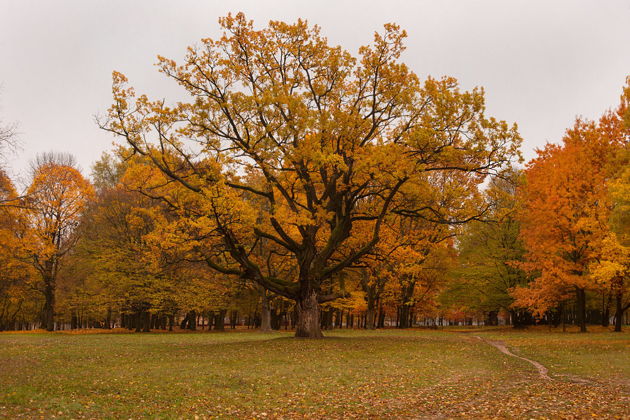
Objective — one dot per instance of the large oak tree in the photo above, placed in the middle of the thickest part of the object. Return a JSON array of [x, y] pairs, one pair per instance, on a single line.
[[331, 139]]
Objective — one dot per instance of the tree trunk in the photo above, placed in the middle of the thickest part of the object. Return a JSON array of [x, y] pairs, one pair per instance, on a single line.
[[233, 319], [370, 315], [518, 319], [406, 303], [192, 320], [372, 293], [108, 319], [492, 318], [48, 315], [338, 318], [403, 316], [276, 319], [137, 321], [213, 317], [147, 321], [369, 318], [307, 325], [606, 298], [189, 321], [265, 320], [581, 307], [381, 317], [219, 320], [619, 310], [327, 319]]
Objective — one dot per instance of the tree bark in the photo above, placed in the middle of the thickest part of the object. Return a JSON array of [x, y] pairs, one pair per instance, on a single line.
[[606, 298], [580, 295], [406, 303], [338, 318], [48, 315], [137, 321], [189, 322], [492, 318], [307, 325], [403, 316], [108, 319], [371, 289], [619, 310], [327, 319], [233, 319], [219, 320], [265, 321], [370, 315], [146, 321], [381, 317]]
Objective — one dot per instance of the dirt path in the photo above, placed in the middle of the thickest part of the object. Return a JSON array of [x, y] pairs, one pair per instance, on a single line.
[[503, 349]]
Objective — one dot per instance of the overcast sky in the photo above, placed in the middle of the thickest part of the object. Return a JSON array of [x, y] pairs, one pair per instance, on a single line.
[[542, 63]]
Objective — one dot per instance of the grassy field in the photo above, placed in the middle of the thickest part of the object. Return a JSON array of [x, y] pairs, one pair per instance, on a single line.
[[350, 374]]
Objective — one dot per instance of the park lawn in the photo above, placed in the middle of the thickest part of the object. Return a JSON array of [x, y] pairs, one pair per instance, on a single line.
[[351, 373], [597, 356]]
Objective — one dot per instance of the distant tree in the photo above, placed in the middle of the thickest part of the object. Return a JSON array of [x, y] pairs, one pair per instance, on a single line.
[[17, 300], [566, 212], [612, 268], [488, 251], [56, 198], [8, 143], [8, 139], [107, 172], [113, 243]]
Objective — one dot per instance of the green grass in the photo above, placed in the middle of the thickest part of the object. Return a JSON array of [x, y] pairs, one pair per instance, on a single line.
[[603, 356], [390, 373]]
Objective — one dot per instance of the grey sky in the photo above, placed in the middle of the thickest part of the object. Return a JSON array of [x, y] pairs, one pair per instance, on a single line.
[[542, 63]]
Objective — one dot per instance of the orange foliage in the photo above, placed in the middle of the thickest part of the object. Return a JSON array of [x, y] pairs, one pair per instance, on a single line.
[[566, 210]]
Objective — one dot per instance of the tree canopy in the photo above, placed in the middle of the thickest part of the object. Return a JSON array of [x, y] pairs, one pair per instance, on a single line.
[[327, 143]]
